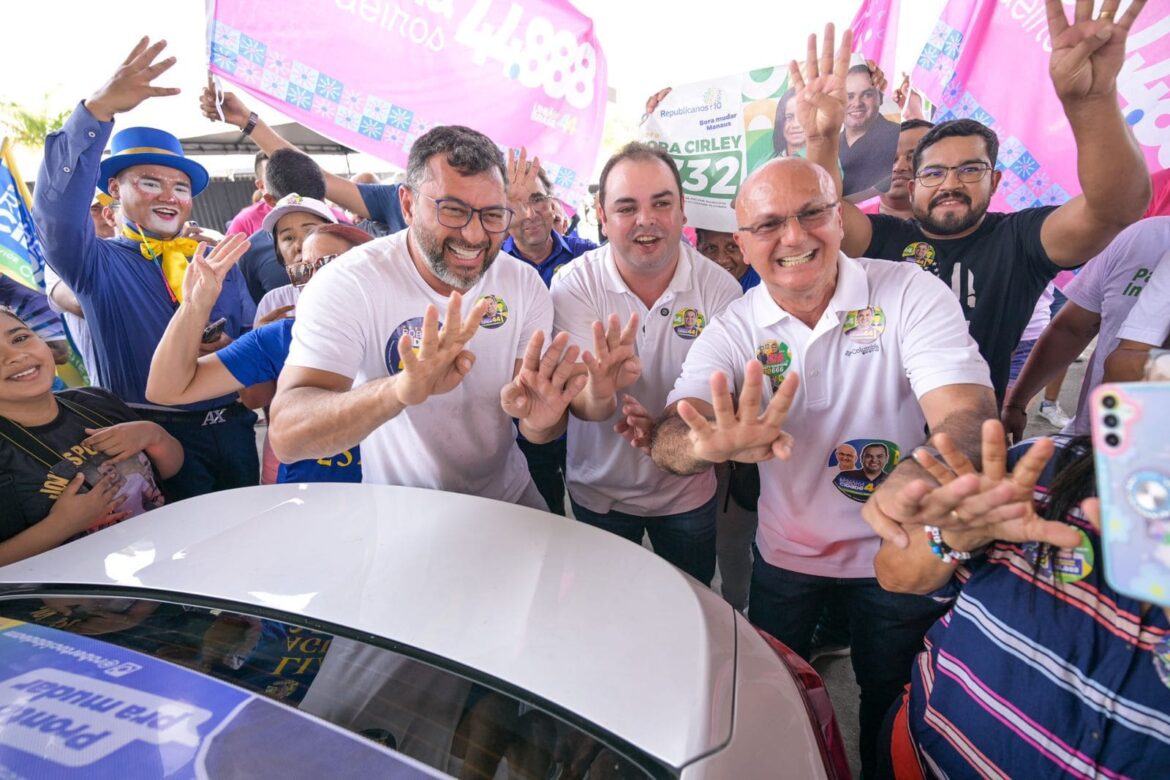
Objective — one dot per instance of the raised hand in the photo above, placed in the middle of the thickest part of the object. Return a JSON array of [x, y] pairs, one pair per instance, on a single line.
[[204, 278], [131, 82], [636, 425], [442, 360], [1088, 54], [974, 508], [653, 101], [541, 391], [613, 364], [820, 93], [522, 175], [234, 110], [742, 435]]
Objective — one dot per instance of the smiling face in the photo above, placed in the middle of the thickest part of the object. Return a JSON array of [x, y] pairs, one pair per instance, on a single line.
[[953, 209], [797, 264], [452, 258], [290, 232], [865, 318], [903, 171], [154, 197], [846, 457], [532, 226], [861, 102], [643, 215], [873, 459], [26, 363], [721, 248]]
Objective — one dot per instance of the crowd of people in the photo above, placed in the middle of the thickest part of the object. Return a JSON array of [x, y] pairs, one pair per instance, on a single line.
[[756, 401]]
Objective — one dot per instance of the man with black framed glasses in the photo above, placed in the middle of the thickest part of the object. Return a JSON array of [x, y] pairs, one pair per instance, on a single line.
[[430, 396], [998, 264]]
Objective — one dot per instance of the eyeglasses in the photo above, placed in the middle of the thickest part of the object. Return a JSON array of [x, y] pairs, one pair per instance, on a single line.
[[299, 274], [454, 213], [967, 174], [809, 219], [542, 204]]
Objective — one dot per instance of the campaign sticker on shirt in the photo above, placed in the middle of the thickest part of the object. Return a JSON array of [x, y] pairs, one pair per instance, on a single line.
[[863, 326], [860, 465], [1075, 564], [921, 253], [413, 327], [776, 357], [496, 314], [689, 322]]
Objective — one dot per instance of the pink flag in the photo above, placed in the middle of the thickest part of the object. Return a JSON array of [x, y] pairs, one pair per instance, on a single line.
[[375, 75], [875, 34], [988, 60]]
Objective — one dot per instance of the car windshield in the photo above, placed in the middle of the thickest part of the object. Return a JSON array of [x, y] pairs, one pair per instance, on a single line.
[[85, 679]]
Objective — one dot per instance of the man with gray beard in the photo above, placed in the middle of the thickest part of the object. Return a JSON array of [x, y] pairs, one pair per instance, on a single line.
[[431, 401]]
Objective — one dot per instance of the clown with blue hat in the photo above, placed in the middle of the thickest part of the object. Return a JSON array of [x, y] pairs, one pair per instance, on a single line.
[[148, 146], [131, 285]]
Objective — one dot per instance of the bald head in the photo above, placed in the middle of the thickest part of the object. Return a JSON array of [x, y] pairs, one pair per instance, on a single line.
[[790, 232], [784, 173]]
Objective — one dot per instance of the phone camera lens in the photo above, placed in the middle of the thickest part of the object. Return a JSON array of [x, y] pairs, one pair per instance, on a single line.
[[1109, 401], [1112, 439], [1110, 421]]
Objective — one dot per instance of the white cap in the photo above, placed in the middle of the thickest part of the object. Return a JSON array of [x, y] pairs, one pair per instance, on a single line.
[[292, 203]]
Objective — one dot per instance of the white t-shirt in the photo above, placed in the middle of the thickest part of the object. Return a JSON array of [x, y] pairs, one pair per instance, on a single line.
[[349, 321], [1109, 285], [77, 326], [889, 336], [1149, 320], [274, 299], [604, 472], [1041, 315]]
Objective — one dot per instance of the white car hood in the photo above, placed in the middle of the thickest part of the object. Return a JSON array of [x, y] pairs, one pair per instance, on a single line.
[[580, 617]]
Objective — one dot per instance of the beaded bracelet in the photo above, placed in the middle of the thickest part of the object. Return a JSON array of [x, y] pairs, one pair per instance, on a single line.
[[944, 551]]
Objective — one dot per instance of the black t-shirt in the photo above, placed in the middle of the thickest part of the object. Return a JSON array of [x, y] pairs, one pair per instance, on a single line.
[[28, 487], [998, 272], [868, 162]]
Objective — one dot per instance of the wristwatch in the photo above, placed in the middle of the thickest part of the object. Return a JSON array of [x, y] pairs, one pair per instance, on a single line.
[[252, 120]]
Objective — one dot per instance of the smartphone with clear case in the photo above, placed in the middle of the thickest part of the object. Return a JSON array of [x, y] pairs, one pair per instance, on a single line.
[[1131, 446]]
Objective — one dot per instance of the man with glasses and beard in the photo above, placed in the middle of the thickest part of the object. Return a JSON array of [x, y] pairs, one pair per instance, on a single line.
[[431, 401], [998, 264]]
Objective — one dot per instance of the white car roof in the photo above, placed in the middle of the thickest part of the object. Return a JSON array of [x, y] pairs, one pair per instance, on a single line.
[[580, 617]]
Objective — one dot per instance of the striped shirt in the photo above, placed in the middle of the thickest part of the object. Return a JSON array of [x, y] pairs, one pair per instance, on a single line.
[[1041, 670]]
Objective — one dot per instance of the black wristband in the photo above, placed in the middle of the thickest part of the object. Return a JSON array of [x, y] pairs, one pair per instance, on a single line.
[[252, 120]]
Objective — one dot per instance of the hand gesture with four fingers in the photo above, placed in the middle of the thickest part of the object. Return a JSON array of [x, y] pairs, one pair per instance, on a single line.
[[131, 82], [1087, 55], [203, 281], [442, 360], [523, 175], [742, 434], [541, 391], [820, 94], [614, 363], [973, 507]]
